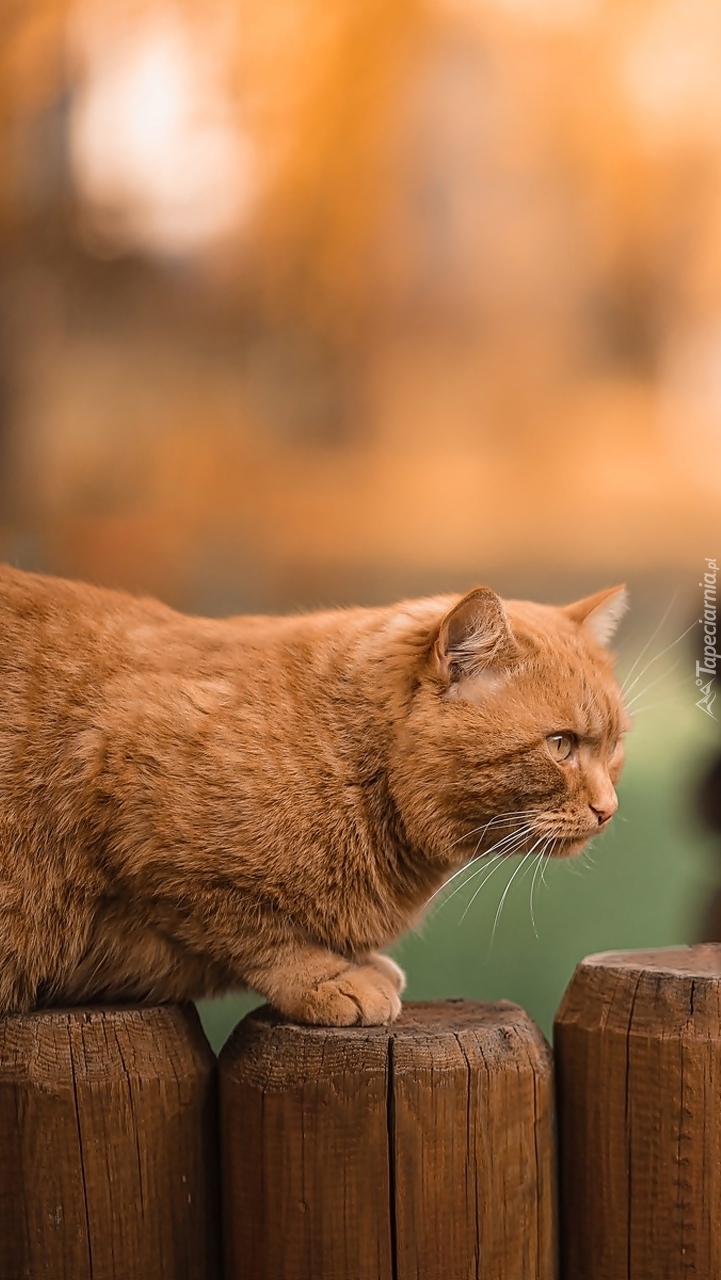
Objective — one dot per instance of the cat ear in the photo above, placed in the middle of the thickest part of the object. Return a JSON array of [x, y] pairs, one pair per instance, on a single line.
[[600, 614], [474, 636]]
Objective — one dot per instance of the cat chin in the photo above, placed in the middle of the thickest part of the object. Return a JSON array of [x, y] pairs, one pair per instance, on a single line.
[[569, 846]]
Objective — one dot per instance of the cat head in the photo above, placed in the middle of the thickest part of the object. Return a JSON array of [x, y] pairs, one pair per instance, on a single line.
[[515, 728]]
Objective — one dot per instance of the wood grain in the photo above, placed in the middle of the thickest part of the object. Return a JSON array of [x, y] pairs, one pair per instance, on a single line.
[[421, 1150], [108, 1141], [638, 1060]]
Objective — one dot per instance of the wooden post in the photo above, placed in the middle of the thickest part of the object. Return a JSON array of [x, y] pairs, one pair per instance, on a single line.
[[107, 1146], [423, 1149], [638, 1059]]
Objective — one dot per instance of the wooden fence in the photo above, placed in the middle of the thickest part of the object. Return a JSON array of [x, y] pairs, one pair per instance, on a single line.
[[428, 1149]]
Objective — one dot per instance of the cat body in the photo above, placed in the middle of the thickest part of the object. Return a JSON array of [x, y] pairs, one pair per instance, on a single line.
[[190, 805]]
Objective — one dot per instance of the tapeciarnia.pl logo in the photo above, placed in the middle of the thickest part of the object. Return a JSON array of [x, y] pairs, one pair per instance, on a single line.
[[707, 668]]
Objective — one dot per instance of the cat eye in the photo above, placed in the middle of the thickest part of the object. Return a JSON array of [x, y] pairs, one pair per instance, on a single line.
[[560, 745]]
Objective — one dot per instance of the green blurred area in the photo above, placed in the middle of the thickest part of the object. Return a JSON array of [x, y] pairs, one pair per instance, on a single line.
[[645, 883]]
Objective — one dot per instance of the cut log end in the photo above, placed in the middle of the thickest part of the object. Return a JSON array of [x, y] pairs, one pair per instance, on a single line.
[[107, 1117], [423, 1148], [638, 1062]]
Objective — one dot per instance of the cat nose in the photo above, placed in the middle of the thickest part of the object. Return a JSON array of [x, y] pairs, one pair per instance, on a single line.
[[604, 809]]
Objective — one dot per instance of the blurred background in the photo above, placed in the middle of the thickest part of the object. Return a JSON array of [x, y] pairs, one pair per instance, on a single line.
[[307, 304]]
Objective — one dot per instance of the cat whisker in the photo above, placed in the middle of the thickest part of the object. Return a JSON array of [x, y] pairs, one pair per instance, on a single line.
[[500, 858], [626, 689], [544, 865], [525, 830], [446, 883], [491, 855], [498, 842], [583, 862], [497, 820], [652, 706], [490, 869], [668, 694], [649, 642], [576, 864], [509, 841], [537, 865], [504, 895], [505, 892], [534, 872], [642, 692], [521, 833], [497, 862]]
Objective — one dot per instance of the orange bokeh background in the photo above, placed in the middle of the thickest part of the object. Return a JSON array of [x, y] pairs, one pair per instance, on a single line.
[[305, 303]]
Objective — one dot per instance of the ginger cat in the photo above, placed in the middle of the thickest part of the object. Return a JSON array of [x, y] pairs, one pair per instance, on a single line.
[[189, 806]]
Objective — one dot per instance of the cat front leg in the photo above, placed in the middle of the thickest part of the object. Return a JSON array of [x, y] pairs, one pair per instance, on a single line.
[[310, 984]]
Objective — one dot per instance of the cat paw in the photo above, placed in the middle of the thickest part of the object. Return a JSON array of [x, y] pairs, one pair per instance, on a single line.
[[385, 965], [366, 995]]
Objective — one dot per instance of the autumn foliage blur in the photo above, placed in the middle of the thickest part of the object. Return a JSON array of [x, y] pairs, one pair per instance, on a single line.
[[303, 301]]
